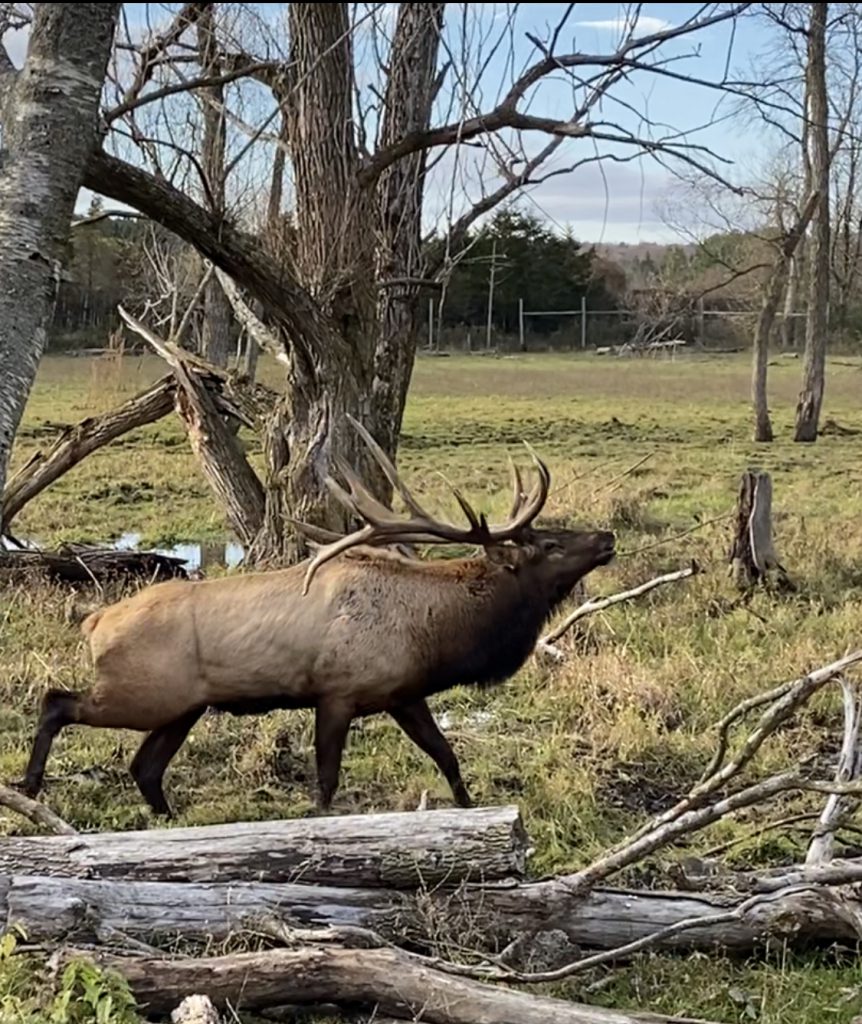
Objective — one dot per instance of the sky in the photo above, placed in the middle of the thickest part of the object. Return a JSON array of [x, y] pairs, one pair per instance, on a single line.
[[601, 202]]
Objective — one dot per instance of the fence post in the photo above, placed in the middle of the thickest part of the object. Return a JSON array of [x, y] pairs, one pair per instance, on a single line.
[[521, 340], [583, 321]]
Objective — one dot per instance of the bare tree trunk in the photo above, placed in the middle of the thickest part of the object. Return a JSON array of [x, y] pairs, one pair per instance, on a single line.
[[47, 140], [817, 320], [411, 87], [217, 318], [771, 299], [788, 323]]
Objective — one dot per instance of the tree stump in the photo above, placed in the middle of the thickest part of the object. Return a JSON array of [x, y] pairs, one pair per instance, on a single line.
[[752, 557]]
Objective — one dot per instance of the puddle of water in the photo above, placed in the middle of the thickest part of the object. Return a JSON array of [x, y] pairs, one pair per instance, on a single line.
[[203, 555], [195, 555]]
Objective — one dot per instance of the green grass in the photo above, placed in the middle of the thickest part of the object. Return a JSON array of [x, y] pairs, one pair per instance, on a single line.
[[587, 749]]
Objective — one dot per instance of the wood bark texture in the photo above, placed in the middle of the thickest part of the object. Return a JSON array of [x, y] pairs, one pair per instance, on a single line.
[[817, 319], [753, 557], [390, 980], [217, 320], [49, 132], [84, 909], [410, 91], [440, 847]]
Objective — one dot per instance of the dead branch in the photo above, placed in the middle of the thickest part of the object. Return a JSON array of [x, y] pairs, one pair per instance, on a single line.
[[75, 443], [821, 849], [223, 461], [38, 813], [390, 980], [695, 811], [788, 699], [546, 645], [266, 339]]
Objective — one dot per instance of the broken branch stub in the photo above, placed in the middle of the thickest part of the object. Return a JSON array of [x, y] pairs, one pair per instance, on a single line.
[[753, 557]]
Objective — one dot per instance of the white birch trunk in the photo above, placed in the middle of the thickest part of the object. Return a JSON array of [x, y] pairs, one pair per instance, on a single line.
[[50, 130]]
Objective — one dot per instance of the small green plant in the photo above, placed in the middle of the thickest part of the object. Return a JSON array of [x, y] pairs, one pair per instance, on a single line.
[[85, 995]]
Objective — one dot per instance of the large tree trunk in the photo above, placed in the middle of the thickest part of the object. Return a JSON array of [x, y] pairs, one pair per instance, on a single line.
[[817, 320], [49, 134], [217, 318], [411, 86]]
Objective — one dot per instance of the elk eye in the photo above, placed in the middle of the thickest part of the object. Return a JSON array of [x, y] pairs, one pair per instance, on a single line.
[[549, 546]]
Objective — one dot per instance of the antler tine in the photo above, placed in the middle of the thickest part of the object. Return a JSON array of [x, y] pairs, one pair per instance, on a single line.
[[328, 552], [476, 522], [538, 495], [368, 507], [389, 470], [518, 495]]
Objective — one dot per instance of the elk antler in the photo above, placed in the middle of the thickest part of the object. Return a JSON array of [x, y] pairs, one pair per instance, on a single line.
[[382, 527]]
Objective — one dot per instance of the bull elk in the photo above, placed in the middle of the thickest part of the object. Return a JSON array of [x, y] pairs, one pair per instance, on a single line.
[[354, 631]]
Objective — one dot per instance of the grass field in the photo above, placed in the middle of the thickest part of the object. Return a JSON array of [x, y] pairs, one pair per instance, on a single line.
[[587, 749]]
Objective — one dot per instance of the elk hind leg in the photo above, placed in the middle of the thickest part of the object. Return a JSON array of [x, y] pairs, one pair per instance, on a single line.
[[418, 723], [331, 725], [59, 709], [154, 755]]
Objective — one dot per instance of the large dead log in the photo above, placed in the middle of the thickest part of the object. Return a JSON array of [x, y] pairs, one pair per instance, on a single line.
[[396, 850], [88, 910], [81, 563], [391, 981]]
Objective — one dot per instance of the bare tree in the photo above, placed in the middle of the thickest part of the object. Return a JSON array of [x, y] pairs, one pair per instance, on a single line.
[[344, 300], [817, 320], [45, 148]]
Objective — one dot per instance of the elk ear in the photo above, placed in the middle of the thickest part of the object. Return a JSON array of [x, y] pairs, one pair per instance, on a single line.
[[507, 556]]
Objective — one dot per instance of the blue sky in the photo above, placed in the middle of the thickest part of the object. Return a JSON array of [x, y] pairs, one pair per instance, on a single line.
[[611, 201]]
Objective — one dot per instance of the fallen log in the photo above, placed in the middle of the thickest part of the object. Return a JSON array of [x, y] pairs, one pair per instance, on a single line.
[[391, 981], [95, 910], [81, 563], [397, 850]]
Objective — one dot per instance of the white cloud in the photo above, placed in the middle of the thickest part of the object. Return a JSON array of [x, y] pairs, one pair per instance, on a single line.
[[644, 24]]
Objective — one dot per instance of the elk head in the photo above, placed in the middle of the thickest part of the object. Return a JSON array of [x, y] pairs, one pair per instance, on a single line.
[[553, 560]]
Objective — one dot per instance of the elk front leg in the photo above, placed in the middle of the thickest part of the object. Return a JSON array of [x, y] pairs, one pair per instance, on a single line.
[[331, 724], [418, 723]]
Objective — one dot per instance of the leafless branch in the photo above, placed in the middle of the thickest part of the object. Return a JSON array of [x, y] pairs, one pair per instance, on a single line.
[[35, 812], [546, 645], [822, 844], [507, 115]]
